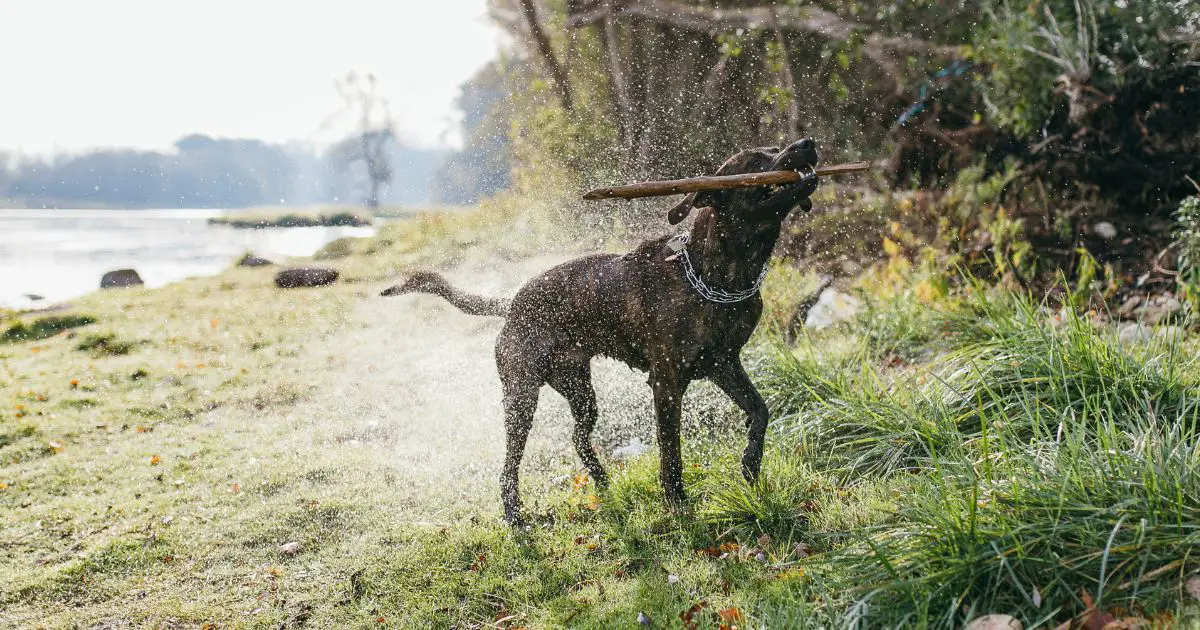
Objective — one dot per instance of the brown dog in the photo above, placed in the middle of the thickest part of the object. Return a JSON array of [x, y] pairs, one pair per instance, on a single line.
[[680, 313]]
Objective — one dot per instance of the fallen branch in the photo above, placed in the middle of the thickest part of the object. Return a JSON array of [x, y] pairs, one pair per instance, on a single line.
[[717, 182]]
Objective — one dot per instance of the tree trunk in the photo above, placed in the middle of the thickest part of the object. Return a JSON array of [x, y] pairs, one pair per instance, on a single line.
[[558, 75]]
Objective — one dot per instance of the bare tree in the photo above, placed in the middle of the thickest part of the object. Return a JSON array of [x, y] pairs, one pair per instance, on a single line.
[[374, 130]]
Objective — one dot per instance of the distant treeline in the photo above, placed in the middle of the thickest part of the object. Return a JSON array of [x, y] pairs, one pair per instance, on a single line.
[[206, 172]]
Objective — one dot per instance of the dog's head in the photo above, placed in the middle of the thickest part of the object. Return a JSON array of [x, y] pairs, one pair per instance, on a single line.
[[758, 203]]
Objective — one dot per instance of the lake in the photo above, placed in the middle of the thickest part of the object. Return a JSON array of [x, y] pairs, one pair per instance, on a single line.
[[61, 254]]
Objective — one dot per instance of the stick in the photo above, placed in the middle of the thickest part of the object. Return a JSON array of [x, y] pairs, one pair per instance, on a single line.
[[716, 182]]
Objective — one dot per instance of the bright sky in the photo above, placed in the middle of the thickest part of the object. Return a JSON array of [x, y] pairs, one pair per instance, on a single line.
[[76, 74]]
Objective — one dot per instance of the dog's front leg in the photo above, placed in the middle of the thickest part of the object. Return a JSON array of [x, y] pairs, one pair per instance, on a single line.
[[731, 377], [668, 401]]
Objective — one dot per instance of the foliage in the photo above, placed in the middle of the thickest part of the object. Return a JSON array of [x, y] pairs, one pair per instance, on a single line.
[[1187, 241]]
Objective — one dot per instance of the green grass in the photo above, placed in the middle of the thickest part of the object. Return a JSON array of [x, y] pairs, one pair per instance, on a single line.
[[988, 454], [43, 327]]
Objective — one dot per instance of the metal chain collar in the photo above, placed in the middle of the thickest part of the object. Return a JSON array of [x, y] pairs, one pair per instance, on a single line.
[[720, 296]]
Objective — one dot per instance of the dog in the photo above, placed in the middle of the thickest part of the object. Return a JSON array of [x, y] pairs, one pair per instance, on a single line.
[[679, 309]]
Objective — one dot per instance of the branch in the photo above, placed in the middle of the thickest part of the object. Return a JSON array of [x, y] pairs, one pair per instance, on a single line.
[[557, 73], [807, 19]]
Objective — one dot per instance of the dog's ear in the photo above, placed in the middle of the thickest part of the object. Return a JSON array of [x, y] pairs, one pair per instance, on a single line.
[[681, 210]]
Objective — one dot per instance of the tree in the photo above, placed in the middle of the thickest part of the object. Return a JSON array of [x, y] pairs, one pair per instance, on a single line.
[[366, 149]]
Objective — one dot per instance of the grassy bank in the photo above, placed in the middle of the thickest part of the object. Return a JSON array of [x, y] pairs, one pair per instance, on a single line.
[[275, 217], [947, 454]]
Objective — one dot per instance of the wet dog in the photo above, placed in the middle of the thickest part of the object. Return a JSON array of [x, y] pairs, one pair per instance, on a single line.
[[679, 309]]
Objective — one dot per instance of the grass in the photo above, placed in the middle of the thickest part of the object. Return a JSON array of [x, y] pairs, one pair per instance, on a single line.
[[925, 466], [271, 217]]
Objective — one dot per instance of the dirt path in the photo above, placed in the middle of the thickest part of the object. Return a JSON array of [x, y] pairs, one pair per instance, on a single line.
[[414, 382]]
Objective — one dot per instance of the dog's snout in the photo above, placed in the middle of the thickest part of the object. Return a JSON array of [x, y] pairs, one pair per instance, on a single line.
[[799, 154]]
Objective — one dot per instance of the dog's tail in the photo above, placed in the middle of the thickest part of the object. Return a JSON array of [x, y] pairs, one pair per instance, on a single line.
[[469, 303]]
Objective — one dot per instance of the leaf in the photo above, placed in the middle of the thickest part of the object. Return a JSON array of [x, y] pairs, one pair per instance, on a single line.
[[890, 247], [55, 446], [1037, 597], [687, 615], [593, 503], [155, 460], [731, 614], [236, 488], [581, 480]]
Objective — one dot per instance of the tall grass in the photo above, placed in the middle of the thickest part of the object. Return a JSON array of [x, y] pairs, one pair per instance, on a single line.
[[1048, 467]]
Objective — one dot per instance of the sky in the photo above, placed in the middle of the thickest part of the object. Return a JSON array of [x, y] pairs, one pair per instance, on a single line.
[[82, 74]]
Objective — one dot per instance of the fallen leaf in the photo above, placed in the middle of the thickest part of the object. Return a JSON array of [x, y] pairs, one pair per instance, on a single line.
[[380, 619], [1093, 618], [74, 383], [236, 488], [764, 540], [3, 486], [730, 547], [154, 460], [56, 446], [275, 572], [581, 480], [730, 615], [1037, 597], [593, 502], [687, 615], [141, 429]]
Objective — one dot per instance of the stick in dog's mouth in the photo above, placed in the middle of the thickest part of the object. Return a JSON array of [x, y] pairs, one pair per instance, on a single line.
[[718, 182]]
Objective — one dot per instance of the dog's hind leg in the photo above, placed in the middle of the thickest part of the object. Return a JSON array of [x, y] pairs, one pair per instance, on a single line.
[[575, 384], [520, 401], [731, 377]]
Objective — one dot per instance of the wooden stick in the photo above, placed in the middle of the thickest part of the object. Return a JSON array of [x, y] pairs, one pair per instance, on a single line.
[[716, 182]]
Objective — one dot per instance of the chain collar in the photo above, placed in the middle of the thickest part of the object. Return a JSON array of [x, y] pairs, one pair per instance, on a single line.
[[678, 244]]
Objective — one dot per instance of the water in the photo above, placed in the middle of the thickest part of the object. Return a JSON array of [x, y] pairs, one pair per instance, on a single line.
[[61, 254]]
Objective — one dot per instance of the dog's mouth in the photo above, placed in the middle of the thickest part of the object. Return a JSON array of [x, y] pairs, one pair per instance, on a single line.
[[800, 156]]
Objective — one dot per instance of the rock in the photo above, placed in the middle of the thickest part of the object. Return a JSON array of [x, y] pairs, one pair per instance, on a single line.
[[995, 622], [290, 549], [832, 307], [631, 450], [1105, 230], [1141, 333], [305, 277], [250, 260], [1159, 308], [120, 278], [1192, 586], [1127, 307]]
